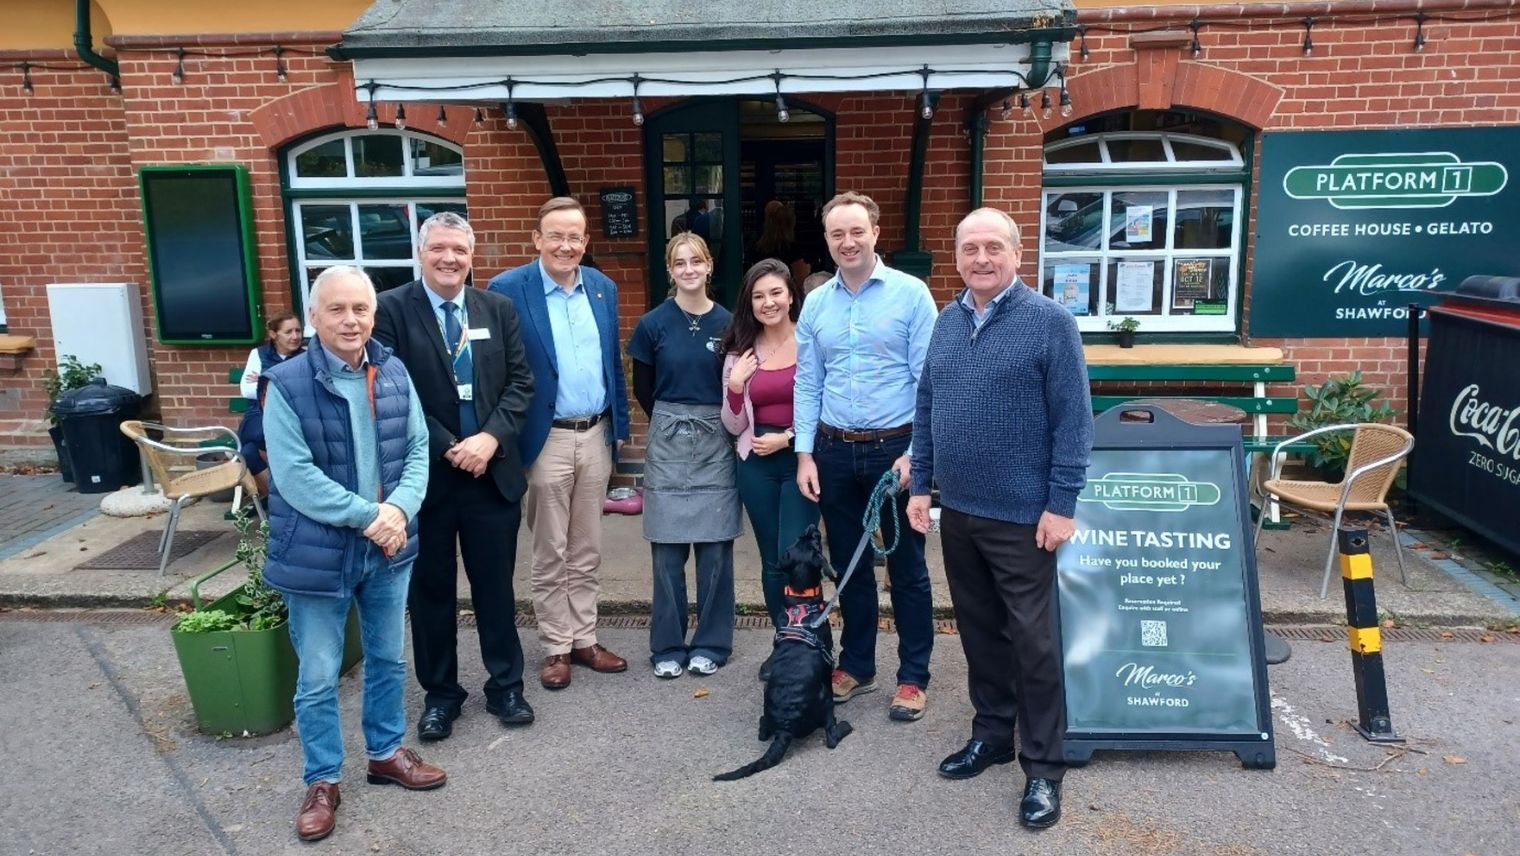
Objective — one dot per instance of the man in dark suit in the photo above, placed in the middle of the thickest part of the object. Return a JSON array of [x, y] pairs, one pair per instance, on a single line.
[[570, 438], [465, 355]]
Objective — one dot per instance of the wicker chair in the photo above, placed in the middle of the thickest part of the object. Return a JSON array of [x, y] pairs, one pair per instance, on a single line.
[[1377, 452], [171, 454]]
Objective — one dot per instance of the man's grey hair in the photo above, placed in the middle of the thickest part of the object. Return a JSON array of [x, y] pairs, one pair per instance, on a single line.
[[445, 220], [338, 272], [998, 213]]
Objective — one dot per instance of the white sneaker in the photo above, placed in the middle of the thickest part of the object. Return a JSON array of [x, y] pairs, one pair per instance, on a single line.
[[667, 669], [701, 665]]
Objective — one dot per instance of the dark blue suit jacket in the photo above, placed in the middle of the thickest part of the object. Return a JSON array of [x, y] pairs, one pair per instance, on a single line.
[[525, 287]]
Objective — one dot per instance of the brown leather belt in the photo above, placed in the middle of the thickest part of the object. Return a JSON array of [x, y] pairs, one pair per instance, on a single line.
[[864, 436], [578, 424]]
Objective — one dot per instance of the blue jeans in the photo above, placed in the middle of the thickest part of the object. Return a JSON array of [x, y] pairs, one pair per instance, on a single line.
[[778, 512], [669, 615], [316, 630], [847, 473]]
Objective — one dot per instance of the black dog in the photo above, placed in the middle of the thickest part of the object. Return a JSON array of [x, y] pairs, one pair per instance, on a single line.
[[799, 698]]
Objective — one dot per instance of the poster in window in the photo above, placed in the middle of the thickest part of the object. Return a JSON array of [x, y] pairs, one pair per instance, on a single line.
[[1190, 282], [1073, 287], [1137, 224], [1134, 290]]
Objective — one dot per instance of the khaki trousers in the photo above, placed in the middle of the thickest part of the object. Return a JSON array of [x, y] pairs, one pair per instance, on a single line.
[[567, 485]]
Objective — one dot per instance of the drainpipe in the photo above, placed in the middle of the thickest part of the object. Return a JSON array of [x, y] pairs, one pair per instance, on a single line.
[[976, 114], [84, 41]]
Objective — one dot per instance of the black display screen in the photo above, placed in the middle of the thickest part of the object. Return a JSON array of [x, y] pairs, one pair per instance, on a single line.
[[201, 254]]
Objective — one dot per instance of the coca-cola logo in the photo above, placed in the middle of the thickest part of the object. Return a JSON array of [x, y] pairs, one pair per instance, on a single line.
[[1493, 425]]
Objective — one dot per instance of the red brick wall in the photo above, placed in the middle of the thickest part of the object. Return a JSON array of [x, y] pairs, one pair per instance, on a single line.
[[68, 156], [68, 209]]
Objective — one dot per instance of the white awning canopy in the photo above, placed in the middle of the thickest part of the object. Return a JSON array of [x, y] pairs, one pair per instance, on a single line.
[[493, 79]]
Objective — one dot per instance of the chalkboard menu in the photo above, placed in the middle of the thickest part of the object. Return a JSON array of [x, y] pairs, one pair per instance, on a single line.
[[1160, 618], [620, 218]]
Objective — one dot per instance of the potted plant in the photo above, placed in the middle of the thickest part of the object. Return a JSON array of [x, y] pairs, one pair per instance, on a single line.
[[235, 653], [70, 374], [1338, 401], [1126, 328]]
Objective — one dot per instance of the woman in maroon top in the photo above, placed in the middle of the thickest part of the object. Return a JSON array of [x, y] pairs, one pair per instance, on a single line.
[[761, 362]]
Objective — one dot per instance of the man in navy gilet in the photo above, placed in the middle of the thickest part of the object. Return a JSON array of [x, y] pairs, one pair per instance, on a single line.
[[348, 447]]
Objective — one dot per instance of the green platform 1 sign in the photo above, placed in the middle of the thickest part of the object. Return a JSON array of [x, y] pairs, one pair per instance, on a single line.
[[1160, 620], [1354, 226]]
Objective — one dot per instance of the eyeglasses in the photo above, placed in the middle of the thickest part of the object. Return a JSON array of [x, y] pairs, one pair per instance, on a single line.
[[574, 241]]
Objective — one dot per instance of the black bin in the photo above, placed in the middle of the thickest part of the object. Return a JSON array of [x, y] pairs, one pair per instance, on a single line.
[[101, 457]]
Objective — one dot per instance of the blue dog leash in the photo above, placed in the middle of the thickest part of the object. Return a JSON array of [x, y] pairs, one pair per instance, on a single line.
[[885, 492]]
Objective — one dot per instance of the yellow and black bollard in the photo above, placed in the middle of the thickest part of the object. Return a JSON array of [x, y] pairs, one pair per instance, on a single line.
[[1373, 720]]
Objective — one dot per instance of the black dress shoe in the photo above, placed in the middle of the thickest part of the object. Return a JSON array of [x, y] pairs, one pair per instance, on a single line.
[[436, 723], [1041, 806], [976, 757], [511, 709]]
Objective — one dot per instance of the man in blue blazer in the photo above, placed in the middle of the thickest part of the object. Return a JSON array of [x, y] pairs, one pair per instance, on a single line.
[[577, 421]]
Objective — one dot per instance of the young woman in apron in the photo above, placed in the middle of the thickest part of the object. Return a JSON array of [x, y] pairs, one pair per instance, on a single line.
[[691, 503]]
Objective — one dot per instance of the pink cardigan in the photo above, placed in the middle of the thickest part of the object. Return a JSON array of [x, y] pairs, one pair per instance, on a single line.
[[742, 424]]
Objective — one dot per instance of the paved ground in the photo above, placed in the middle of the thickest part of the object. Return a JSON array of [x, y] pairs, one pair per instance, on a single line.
[[1290, 562], [101, 757], [34, 508]]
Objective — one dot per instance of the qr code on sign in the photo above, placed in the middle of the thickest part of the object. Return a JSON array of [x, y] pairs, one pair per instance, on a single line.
[[1153, 634]]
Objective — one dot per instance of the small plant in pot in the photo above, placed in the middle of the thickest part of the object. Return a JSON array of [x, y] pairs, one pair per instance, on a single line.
[[1338, 401], [1126, 328], [70, 374]]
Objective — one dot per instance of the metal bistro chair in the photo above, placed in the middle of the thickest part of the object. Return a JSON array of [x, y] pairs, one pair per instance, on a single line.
[[171, 454], [1377, 452]]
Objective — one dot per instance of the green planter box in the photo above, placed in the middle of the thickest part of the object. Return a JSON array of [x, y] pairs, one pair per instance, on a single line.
[[243, 682]]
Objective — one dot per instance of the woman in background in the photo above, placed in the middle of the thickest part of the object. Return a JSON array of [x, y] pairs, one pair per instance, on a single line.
[[284, 342]]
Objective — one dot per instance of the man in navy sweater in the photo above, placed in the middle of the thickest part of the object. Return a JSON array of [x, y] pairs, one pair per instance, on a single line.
[[1004, 426]]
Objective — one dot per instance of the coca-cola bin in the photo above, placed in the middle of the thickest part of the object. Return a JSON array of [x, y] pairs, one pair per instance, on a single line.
[[1466, 459]]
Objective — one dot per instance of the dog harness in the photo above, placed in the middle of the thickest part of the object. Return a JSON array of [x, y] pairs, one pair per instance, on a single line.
[[799, 626]]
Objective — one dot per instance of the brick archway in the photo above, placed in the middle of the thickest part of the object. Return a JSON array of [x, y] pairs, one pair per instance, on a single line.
[[1160, 81], [322, 108]]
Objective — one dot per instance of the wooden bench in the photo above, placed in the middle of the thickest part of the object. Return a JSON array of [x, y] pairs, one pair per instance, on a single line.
[[1227, 374], [237, 403]]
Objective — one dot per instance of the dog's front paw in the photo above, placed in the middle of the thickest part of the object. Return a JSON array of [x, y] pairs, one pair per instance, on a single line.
[[840, 731], [767, 730]]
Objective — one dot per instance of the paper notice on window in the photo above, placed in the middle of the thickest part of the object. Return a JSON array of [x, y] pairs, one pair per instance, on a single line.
[[1137, 224], [1135, 289], [1073, 287]]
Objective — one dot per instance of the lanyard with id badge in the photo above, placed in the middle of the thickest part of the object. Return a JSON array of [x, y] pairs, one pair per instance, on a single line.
[[460, 350]]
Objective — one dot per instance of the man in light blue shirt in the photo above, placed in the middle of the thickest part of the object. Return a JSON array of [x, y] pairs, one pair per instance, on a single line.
[[861, 343], [576, 422]]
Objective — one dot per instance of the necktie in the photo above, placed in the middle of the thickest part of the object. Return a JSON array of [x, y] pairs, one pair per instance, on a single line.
[[464, 366]]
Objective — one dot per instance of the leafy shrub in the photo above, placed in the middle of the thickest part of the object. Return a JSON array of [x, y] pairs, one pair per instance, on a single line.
[[1338, 401]]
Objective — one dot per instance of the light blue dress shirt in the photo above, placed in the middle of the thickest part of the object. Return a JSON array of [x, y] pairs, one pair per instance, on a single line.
[[979, 318], [859, 354], [582, 391]]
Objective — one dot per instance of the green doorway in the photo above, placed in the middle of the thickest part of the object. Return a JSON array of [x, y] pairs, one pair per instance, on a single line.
[[715, 164]]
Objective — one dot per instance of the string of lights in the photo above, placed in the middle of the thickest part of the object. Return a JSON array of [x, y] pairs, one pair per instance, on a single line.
[[1200, 26], [279, 52]]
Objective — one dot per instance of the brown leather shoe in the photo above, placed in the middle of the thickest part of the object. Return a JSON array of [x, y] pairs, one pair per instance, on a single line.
[[407, 769], [598, 659], [556, 672], [319, 811]]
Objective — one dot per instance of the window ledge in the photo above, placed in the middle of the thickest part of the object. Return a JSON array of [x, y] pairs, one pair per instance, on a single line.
[[13, 349]]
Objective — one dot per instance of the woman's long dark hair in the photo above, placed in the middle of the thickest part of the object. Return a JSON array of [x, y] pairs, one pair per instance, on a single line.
[[745, 327]]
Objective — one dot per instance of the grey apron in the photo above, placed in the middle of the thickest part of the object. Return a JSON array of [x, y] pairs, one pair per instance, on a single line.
[[689, 492]]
